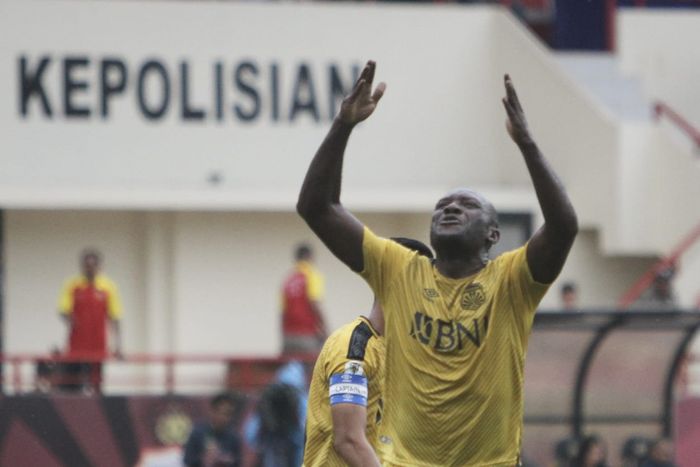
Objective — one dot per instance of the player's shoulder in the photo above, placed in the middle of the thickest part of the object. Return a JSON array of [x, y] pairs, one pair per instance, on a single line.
[[361, 339], [354, 341], [74, 281], [508, 258], [104, 282]]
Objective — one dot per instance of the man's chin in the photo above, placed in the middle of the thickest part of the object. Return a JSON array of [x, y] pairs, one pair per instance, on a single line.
[[448, 235]]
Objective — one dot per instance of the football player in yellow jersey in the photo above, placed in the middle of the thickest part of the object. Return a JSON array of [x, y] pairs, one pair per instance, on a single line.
[[345, 396], [456, 329]]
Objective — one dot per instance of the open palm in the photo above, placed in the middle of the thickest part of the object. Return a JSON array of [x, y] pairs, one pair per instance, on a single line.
[[362, 101]]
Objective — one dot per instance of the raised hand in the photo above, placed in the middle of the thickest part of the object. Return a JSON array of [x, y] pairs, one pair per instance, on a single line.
[[516, 123], [362, 101]]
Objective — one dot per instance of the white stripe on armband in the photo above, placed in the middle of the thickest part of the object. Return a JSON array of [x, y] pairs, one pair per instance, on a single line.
[[348, 389]]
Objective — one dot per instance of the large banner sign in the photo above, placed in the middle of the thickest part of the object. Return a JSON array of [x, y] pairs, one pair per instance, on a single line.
[[243, 91], [221, 105]]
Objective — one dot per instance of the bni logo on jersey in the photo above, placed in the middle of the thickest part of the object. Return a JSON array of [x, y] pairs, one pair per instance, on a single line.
[[448, 336]]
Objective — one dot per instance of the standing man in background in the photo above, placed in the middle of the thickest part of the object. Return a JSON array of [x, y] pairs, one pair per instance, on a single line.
[[569, 297], [89, 303], [303, 326], [346, 391]]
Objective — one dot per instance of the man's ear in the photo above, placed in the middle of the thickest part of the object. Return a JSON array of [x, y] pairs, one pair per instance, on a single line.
[[493, 236]]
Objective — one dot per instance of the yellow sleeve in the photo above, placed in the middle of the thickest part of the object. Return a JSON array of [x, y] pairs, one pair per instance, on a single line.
[[65, 299], [314, 285], [338, 362], [525, 291], [383, 260], [114, 304]]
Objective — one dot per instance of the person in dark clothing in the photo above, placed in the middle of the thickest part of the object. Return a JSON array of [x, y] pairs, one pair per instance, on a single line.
[[215, 443], [280, 439], [660, 454], [591, 453]]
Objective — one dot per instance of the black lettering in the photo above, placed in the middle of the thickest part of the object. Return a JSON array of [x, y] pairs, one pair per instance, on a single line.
[[188, 111], [445, 329], [155, 68], [31, 85], [304, 94], [274, 92], [112, 82], [421, 328], [71, 85], [337, 89], [243, 69], [219, 90], [472, 336]]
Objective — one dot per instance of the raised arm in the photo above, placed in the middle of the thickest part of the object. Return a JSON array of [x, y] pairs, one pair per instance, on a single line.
[[319, 201], [550, 245]]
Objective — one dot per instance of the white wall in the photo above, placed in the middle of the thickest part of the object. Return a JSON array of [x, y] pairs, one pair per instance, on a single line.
[[667, 60], [214, 286]]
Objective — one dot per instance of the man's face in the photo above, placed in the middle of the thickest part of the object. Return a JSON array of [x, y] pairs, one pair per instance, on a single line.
[[222, 415], [90, 265], [662, 287], [461, 213], [569, 299]]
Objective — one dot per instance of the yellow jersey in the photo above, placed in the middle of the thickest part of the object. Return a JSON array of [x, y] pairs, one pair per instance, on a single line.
[[349, 369], [67, 298], [455, 352]]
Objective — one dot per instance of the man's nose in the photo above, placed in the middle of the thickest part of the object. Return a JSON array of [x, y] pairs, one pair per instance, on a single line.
[[453, 207]]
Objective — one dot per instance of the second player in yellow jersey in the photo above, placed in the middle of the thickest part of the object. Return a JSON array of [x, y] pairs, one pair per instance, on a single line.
[[349, 370]]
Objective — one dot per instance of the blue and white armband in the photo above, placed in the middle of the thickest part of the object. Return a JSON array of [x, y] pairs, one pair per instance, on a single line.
[[348, 388]]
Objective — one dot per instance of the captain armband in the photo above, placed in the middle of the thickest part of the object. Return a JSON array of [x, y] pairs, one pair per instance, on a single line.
[[346, 388]]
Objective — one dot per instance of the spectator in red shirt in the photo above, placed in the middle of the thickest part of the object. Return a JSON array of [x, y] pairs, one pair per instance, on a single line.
[[303, 327], [88, 303]]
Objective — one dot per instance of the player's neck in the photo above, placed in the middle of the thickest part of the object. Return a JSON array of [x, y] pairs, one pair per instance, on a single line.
[[458, 268], [376, 319]]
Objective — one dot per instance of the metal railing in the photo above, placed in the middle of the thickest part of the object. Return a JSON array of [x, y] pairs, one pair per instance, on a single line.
[[633, 293], [661, 109], [24, 373]]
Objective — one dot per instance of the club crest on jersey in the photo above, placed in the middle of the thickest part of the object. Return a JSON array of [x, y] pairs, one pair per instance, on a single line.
[[354, 368], [473, 297], [430, 294]]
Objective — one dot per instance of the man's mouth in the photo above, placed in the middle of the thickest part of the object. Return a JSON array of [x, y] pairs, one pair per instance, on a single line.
[[450, 221]]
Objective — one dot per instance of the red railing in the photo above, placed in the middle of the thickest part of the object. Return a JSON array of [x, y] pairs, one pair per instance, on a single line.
[[241, 373], [671, 260], [662, 109]]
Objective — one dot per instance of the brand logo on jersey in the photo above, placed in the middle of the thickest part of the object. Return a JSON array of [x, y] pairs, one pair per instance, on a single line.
[[447, 336], [473, 297], [354, 368], [430, 294], [384, 439]]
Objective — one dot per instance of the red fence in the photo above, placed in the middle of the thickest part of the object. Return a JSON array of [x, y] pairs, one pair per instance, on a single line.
[[661, 109], [32, 372]]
